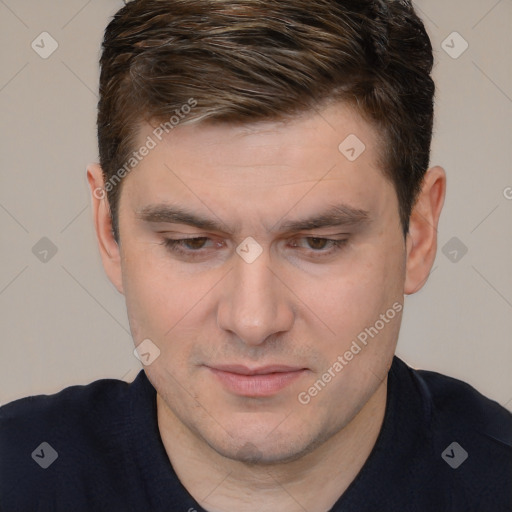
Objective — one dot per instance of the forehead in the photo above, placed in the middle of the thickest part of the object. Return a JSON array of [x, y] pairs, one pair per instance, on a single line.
[[325, 156], [312, 141]]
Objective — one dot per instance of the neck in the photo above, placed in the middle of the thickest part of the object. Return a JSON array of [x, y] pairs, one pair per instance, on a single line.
[[220, 484]]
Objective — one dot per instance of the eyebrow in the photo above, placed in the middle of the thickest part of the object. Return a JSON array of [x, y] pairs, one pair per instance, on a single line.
[[177, 215], [334, 216]]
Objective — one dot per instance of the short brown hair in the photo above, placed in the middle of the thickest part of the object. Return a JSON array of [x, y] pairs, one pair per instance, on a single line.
[[244, 61]]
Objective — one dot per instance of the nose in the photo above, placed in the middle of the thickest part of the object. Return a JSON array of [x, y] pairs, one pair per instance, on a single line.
[[254, 304]]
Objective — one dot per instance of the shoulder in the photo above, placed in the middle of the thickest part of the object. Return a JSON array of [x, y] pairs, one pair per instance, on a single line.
[[73, 406], [51, 443], [464, 407], [468, 442]]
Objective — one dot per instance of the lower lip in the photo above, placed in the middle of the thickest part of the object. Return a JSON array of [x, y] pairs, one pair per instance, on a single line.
[[256, 385]]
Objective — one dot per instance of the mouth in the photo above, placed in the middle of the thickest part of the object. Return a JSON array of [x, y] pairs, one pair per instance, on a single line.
[[258, 382]]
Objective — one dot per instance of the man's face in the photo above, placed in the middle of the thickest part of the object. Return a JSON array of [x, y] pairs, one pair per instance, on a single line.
[[243, 335]]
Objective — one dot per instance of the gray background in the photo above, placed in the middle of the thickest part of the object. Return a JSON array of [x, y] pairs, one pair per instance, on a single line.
[[63, 322]]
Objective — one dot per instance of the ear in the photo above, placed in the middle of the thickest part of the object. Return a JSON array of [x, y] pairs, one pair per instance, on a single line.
[[422, 236], [109, 248]]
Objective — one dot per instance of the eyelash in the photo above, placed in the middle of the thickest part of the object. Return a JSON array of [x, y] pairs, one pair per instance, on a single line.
[[176, 246]]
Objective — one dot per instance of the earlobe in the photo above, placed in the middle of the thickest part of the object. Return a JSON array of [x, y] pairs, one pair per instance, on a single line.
[[422, 237], [108, 246]]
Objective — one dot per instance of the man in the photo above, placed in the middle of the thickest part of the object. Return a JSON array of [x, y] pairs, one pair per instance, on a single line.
[[263, 201]]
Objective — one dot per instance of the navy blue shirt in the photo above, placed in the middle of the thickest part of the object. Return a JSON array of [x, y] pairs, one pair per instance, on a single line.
[[443, 447]]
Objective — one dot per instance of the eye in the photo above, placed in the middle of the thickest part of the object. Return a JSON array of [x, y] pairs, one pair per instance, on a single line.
[[204, 247], [191, 243], [189, 247], [317, 246], [318, 243]]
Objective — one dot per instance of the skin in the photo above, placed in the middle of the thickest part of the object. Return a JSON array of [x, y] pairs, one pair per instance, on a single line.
[[301, 303]]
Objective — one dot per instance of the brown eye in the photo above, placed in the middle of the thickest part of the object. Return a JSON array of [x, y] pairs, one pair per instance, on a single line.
[[317, 243], [315, 247], [195, 243]]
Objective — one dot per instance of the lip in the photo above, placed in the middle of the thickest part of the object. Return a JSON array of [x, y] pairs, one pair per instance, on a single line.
[[263, 381]]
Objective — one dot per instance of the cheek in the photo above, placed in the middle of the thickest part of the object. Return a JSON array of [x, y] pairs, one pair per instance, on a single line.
[[358, 305], [154, 295], [164, 303], [358, 292]]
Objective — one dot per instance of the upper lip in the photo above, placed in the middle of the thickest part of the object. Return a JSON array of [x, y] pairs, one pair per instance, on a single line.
[[262, 370]]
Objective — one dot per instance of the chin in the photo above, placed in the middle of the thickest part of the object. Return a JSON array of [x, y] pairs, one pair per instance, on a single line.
[[266, 449]]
